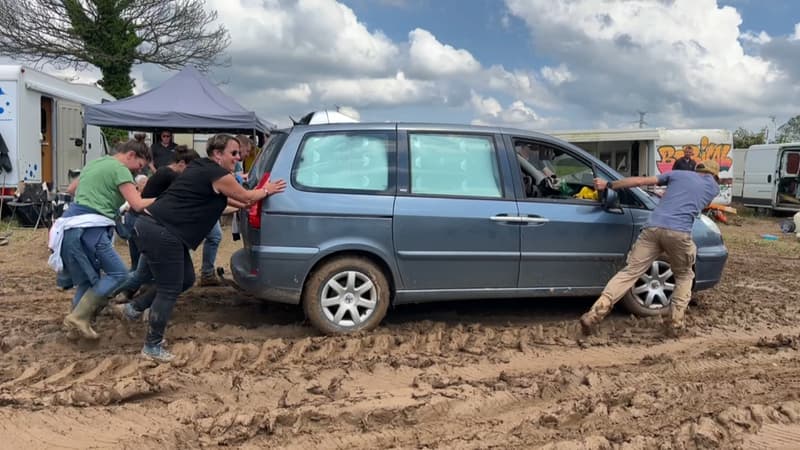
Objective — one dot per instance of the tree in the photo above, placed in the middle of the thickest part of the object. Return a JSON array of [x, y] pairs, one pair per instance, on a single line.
[[744, 138], [790, 131], [112, 35]]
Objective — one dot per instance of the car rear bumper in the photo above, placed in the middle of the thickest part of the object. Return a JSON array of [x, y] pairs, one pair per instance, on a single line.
[[709, 266], [254, 277]]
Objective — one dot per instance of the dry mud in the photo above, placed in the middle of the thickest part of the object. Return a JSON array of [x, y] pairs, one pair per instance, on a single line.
[[464, 375]]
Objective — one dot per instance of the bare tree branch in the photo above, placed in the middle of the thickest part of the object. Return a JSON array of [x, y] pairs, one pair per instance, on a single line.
[[113, 34]]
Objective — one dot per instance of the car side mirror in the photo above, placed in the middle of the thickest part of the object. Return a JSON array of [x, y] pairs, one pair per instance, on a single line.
[[610, 201]]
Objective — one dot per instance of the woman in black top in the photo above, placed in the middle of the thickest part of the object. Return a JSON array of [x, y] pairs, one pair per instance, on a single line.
[[180, 219]]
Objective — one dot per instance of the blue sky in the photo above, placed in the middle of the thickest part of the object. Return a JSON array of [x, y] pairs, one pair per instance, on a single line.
[[537, 64]]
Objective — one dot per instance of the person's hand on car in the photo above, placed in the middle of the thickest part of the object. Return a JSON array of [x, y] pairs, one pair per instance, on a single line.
[[274, 187], [600, 184]]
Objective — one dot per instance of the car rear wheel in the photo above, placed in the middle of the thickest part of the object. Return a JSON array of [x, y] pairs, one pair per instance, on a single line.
[[346, 295], [652, 293]]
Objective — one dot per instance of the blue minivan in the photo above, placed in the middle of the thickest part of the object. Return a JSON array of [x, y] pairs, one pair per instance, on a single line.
[[391, 213]]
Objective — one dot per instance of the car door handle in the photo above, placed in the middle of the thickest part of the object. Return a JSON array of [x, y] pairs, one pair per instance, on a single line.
[[505, 218], [533, 219]]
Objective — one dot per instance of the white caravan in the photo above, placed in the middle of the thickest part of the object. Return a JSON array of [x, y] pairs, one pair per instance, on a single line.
[[41, 123], [771, 177]]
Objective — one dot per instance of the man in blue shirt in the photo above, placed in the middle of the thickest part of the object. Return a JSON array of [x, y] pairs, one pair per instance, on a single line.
[[669, 231]]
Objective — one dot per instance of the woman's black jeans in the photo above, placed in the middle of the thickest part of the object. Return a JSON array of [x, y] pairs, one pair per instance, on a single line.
[[172, 269]]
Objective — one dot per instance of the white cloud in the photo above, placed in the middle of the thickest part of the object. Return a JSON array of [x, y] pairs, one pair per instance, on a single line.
[[557, 75], [299, 93], [320, 34], [430, 58], [653, 53], [522, 84], [376, 91], [489, 111], [760, 38], [485, 106], [796, 35]]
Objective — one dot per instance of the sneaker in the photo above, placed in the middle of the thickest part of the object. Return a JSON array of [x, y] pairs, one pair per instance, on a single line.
[[157, 353], [126, 311], [210, 280]]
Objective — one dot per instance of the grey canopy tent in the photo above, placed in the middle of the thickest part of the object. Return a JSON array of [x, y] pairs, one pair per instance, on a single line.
[[187, 103]]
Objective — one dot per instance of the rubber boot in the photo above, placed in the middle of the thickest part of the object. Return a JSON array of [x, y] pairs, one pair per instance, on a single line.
[[80, 317]]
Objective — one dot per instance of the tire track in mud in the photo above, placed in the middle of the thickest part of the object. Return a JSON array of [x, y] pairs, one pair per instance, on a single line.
[[257, 377], [438, 393], [418, 349], [774, 437], [495, 405]]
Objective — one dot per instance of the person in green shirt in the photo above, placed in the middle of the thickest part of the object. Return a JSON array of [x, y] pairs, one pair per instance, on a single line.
[[103, 186]]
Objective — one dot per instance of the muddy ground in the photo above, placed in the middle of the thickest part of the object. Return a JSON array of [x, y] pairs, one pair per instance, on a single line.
[[461, 375]]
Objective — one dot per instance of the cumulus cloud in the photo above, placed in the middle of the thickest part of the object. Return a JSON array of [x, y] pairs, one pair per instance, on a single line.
[[376, 91], [522, 84], [643, 54], [489, 111], [485, 106], [796, 35], [315, 35], [557, 75], [760, 38], [429, 58]]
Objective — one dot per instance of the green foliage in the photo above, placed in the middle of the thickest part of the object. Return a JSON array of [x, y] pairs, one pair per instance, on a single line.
[[744, 138], [790, 131], [113, 137], [110, 42]]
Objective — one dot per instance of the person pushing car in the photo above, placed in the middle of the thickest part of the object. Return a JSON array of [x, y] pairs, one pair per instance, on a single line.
[[668, 231]]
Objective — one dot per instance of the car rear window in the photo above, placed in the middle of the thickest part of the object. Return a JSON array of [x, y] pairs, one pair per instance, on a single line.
[[266, 158], [345, 161]]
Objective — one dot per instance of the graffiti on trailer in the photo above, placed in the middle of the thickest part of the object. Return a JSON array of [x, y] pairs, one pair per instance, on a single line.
[[706, 150]]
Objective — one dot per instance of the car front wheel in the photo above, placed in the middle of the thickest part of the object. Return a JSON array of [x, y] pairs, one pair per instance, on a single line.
[[652, 293], [346, 295]]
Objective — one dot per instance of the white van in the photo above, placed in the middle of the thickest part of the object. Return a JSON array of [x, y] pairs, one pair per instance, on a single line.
[[41, 124], [771, 177], [738, 173]]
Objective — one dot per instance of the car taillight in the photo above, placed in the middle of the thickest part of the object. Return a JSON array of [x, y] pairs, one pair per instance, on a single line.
[[254, 211]]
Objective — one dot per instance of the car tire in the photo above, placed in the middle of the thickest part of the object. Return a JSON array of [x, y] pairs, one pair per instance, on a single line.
[[346, 295], [652, 293]]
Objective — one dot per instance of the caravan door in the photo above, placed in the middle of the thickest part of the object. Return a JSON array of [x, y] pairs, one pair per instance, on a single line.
[[69, 149]]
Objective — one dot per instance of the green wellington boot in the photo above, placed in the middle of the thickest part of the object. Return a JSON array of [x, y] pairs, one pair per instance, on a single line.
[[80, 317]]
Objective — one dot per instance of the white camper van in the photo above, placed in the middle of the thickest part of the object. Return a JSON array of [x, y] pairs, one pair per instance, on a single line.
[[771, 177], [41, 123]]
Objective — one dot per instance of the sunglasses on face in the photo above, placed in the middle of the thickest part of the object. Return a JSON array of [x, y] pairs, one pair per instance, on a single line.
[[165, 136]]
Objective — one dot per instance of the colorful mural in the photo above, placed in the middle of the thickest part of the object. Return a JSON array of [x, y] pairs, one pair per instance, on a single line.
[[705, 149]]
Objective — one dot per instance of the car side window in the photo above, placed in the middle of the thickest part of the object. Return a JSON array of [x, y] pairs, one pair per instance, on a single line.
[[357, 161], [463, 165], [550, 172]]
